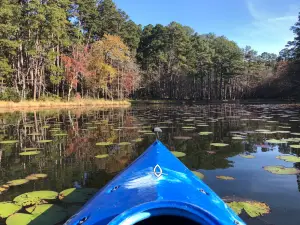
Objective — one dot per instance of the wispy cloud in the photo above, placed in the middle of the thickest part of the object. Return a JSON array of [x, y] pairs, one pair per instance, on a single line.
[[268, 31]]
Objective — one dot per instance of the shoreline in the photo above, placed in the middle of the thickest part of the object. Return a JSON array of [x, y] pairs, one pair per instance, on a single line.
[[28, 105]]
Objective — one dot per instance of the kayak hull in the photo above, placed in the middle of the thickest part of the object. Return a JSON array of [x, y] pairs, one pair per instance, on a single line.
[[156, 184]]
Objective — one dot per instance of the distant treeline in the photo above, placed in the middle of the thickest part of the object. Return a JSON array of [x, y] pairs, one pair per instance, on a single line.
[[90, 48]]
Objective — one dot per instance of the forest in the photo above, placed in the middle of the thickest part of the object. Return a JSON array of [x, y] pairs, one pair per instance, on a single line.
[[73, 49]]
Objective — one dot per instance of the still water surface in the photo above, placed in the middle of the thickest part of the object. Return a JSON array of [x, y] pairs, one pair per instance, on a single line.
[[69, 159]]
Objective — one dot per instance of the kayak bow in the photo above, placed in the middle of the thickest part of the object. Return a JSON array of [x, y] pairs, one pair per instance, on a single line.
[[155, 189]]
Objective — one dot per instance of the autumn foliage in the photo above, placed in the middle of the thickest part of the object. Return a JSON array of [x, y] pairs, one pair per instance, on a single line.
[[105, 66]]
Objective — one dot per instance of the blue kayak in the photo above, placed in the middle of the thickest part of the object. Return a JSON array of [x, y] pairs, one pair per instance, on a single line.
[[155, 189]]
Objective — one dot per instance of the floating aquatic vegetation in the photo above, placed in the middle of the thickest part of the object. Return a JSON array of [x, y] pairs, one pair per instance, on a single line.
[[3, 188], [238, 138], [44, 141], [73, 195], [275, 141], [281, 170], [247, 156], [9, 142], [124, 143], [182, 138], [295, 146], [283, 131], [202, 125], [59, 134], [30, 153], [272, 121], [252, 208], [205, 133], [102, 156], [219, 144], [17, 182], [46, 127], [289, 158], [35, 197], [46, 214], [36, 176], [225, 178], [91, 128], [295, 134], [178, 154], [198, 174], [145, 131], [284, 127], [149, 133], [30, 149], [8, 208], [138, 140], [104, 143], [188, 128]]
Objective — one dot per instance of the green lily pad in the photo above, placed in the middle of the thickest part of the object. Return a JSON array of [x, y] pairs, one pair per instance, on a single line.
[[281, 170], [35, 134], [188, 128], [30, 149], [225, 178], [102, 156], [178, 154], [104, 143], [59, 134], [238, 138], [30, 153], [252, 208], [47, 214], [46, 127], [182, 138], [198, 174], [205, 133], [73, 195], [138, 140], [35, 197], [289, 158], [247, 156], [44, 141], [36, 176], [149, 133], [262, 130], [124, 143], [218, 144], [9, 142], [283, 131], [275, 141], [295, 146], [202, 125], [8, 208], [17, 182], [295, 134]]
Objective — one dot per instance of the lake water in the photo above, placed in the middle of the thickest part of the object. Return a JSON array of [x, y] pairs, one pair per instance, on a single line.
[[69, 160]]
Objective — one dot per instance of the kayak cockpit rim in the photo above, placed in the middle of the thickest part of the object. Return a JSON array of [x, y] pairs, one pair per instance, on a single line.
[[149, 210]]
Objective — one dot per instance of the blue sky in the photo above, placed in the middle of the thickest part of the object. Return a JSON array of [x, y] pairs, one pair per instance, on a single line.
[[262, 24]]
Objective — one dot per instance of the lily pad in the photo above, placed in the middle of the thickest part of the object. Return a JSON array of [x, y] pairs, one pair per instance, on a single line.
[[35, 197], [73, 195], [35, 134], [36, 176], [238, 138], [47, 214], [138, 140], [124, 143], [205, 133], [30, 153], [188, 128], [275, 141], [182, 138], [17, 182], [30, 149], [178, 154], [289, 158], [295, 146], [104, 143], [46, 127], [252, 208], [281, 170], [44, 141], [295, 134], [198, 174], [211, 152], [247, 156], [219, 144], [102, 156], [8, 208], [225, 178], [9, 142], [59, 134]]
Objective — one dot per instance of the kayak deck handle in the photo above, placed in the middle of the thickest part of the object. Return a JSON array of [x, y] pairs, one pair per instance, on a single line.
[[115, 188]]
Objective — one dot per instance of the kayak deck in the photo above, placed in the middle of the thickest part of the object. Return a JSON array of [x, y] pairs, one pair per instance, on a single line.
[[154, 187]]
